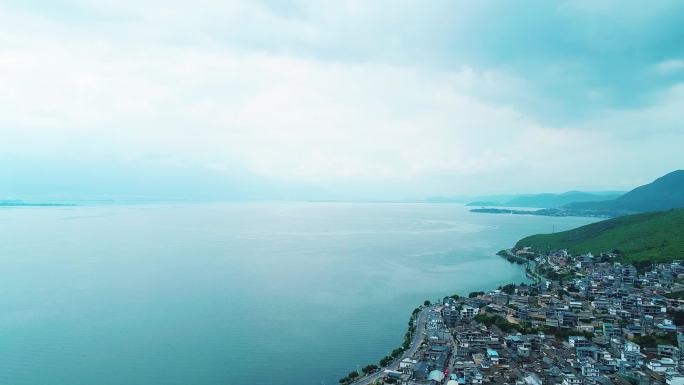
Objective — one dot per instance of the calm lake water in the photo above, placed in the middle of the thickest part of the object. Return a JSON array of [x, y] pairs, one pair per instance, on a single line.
[[265, 294]]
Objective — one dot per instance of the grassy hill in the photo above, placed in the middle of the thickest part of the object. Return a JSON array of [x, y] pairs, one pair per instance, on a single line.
[[655, 236]]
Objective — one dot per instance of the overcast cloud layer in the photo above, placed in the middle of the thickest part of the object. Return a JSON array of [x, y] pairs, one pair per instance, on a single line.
[[338, 100]]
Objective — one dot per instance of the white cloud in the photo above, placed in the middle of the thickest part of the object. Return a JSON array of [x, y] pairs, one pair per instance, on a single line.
[[669, 66], [278, 115], [130, 91]]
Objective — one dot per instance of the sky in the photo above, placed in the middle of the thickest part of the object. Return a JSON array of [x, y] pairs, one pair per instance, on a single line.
[[358, 99]]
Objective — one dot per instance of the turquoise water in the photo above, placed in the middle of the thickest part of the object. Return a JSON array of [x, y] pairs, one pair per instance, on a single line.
[[287, 293]]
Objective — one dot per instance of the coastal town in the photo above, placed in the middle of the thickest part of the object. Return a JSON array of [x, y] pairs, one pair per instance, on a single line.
[[584, 320]]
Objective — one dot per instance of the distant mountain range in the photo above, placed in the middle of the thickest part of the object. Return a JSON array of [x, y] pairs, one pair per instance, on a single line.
[[549, 200], [654, 236], [666, 192]]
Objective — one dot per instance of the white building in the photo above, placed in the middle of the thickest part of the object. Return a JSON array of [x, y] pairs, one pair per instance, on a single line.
[[571, 379], [663, 365]]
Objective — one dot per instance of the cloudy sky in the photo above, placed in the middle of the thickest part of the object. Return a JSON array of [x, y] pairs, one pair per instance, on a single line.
[[209, 99]]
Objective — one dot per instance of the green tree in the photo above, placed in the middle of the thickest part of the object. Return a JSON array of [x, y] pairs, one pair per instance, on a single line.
[[397, 352], [678, 317], [645, 341], [508, 289], [426, 303], [406, 344], [369, 368]]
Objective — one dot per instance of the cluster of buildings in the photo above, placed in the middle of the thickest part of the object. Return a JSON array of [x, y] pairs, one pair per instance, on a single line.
[[597, 322]]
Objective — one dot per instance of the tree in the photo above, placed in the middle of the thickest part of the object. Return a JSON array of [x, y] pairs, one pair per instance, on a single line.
[[677, 317], [352, 375], [406, 344], [645, 341], [397, 352], [642, 266], [369, 368], [426, 303], [498, 321], [508, 289]]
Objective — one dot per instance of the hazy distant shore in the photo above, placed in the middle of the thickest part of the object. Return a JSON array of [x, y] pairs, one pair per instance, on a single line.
[[32, 204], [546, 212]]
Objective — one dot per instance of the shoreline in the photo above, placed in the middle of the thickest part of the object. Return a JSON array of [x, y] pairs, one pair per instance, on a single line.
[[366, 378], [570, 314], [417, 321]]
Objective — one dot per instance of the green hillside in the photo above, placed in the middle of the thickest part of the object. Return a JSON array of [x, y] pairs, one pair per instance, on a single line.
[[656, 236]]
